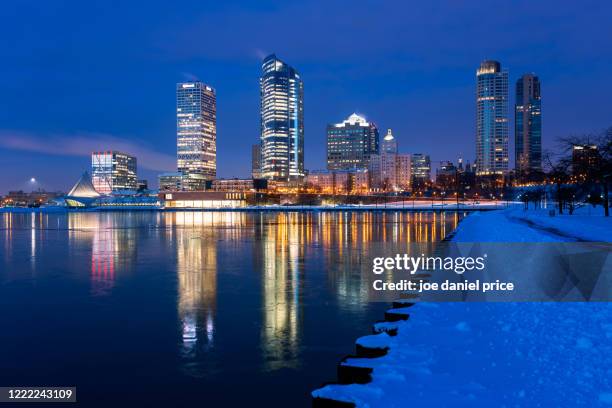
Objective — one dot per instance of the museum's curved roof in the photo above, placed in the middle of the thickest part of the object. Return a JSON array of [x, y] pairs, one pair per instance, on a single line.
[[83, 188]]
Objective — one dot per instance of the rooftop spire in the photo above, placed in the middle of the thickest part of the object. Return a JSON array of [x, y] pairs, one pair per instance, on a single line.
[[389, 135]]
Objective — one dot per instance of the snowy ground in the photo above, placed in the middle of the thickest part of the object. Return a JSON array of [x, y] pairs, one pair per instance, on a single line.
[[587, 223], [496, 354], [516, 225]]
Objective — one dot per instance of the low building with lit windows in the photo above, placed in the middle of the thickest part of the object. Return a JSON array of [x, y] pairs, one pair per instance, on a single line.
[[203, 199]]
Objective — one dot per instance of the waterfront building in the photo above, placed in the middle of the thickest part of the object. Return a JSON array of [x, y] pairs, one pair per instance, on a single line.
[[282, 121], [113, 171], [351, 143], [528, 125], [204, 199], [421, 168], [128, 201], [32, 199], [256, 161], [491, 119], [196, 130], [83, 193]]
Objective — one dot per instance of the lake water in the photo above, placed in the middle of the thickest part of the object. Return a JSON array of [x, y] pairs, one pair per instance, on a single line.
[[184, 308]]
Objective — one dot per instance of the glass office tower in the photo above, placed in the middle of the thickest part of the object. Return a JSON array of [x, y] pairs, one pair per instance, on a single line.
[[351, 143], [282, 121], [113, 171], [196, 129], [491, 119], [528, 125]]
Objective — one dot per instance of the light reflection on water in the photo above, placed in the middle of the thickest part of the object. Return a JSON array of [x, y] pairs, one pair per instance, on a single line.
[[278, 275]]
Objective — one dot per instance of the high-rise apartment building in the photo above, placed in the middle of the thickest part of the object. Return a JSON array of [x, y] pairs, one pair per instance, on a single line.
[[113, 171], [282, 121], [196, 129], [351, 143], [528, 125], [491, 119]]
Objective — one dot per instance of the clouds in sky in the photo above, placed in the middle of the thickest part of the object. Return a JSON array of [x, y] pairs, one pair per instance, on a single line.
[[82, 144]]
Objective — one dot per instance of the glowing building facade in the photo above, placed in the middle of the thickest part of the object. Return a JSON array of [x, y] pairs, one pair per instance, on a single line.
[[351, 143], [491, 119], [282, 121], [196, 129], [113, 171]]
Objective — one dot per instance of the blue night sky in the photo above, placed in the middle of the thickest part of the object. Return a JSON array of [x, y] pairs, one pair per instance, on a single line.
[[85, 75]]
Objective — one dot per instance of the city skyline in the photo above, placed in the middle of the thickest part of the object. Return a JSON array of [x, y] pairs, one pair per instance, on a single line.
[[426, 99]]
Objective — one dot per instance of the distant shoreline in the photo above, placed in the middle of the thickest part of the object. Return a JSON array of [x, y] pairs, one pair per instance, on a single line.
[[407, 208]]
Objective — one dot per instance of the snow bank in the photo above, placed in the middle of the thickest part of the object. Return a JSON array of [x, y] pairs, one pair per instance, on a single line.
[[587, 224], [485, 354], [494, 354]]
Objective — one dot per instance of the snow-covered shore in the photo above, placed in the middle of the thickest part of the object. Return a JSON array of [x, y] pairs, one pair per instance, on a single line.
[[494, 354], [516, 225]]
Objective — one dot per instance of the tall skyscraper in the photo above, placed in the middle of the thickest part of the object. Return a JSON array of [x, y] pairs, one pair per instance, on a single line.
[[351, 143], [491, 119], [528, 124], [196, 130], [256, 161], [282, 121], [112, 171]]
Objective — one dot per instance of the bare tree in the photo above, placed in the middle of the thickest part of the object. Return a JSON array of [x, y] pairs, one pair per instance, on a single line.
[[598, 170], [557, 170]]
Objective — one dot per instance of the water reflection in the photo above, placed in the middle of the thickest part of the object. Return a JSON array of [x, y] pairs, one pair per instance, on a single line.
[[113, 246], [289, 251], [282, 245], [195, 236]]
